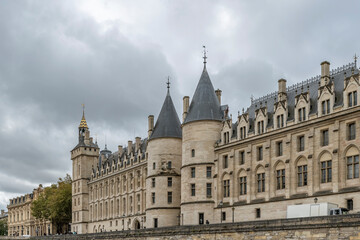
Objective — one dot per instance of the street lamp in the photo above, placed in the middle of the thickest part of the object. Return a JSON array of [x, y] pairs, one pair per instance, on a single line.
[[233, 209], [221, 213]]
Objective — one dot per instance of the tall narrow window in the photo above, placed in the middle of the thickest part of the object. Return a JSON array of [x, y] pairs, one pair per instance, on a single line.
[[226, 188], [351, 131], [326, 174], [153, 182], [280, 179], [154, 166], [242, 157], [169, 197], [169, 165], [301, 143], [193, 189], [192, 172], [155, 222], [260, 127], [242, 190], [192, 152], [259, 153], [279, 148], [169, 181], [258, 213], [353, 167], [325, 137], [208, 172], [208, 190], [153, 198], [302, 175], [225, 161], [261, 182], [350, 204], [302, 114]]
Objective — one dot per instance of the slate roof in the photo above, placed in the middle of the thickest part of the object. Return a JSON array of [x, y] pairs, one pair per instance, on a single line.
[[311, 85], [168, 123], [204, 104]]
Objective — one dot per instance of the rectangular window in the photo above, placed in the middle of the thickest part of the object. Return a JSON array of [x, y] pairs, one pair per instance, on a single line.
[[242, 190], [153, 198], [351, 131], [201, 218], [328, 106], [257, 213], [223, 217], [226, 188], [261, 182], [325, 107], [301, 143], [302, 114], [169, 197], [208, 190], [169, 165], [349, 204], [325, 137], [242, 157], [192, 152], [326, 174], [260, 153], [153, 182], [352, 99], [260, 127], [278, 121], [225, 161], [192, 172], [302, 175], [169, 181], [193, 189], [208, 172], [242, 132], [154, 166], [280, 179], [353, 167], [279, 148], [155, 222]]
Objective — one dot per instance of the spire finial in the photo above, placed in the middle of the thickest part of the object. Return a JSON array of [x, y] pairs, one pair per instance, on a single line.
[[168, 83], [83, 107], [205, 57], [83, 123], [355, 59]]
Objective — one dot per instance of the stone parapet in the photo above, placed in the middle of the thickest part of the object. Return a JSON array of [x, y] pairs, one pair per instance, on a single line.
[[329, 227]]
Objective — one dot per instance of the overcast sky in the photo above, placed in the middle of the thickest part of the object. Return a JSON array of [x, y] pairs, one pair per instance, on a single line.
[[115, 56]]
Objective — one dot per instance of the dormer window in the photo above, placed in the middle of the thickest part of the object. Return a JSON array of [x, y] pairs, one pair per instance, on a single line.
[[242, 132], [325, 107], [302, 114], [280, 121], [226, 137], [260, 127], [352, 99]]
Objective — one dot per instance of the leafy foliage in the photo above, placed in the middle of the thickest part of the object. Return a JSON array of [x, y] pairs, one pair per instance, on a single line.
[[3, 227], [54, 204]]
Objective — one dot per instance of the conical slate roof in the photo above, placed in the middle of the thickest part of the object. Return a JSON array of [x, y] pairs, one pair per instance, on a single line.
[[168, 123], [204, 104]]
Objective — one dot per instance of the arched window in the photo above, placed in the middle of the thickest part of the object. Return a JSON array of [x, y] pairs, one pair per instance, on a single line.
[[242, 183], [352, 163], [260, 178], [326, 167], [302, 173], [280, 176]]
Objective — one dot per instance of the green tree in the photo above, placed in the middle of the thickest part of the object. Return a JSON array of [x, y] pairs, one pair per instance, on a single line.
[[3, 227], [54, 204]]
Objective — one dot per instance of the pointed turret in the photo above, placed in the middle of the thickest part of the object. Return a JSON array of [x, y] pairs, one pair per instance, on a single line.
[[205, 104], [168, 123], [83, 123]]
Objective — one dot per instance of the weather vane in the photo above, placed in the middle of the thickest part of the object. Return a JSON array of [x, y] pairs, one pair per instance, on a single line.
[[205, 57], [83, 107]]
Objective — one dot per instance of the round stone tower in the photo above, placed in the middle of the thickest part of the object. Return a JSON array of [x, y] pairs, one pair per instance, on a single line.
[[200, 130], [164, 163]]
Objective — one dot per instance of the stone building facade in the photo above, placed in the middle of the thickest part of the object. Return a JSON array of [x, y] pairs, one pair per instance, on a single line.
[[21, 221], [294, 146]]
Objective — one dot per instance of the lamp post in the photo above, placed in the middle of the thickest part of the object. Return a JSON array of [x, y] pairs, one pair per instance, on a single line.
[[233, 209], [221, 213]]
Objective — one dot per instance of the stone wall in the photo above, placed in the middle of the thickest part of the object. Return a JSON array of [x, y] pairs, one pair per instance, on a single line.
[[329, 227]]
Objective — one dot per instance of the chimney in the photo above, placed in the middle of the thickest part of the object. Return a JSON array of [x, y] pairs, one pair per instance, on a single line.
[[325, 73], [218, 94], [185, 106], [120, 149], [91, 140], [137, 143], [282, 85], [129, 147], [151, 124]]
